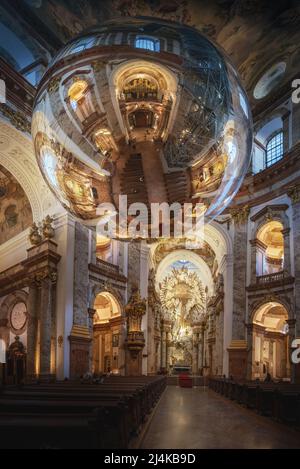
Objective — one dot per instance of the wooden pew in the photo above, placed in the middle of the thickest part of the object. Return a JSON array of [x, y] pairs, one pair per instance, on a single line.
[[71, 414]]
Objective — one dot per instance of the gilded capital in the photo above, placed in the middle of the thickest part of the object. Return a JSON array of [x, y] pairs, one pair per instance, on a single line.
[[240, 214], [294, 193]]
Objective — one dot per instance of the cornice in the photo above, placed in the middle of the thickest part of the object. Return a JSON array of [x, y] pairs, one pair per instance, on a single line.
[[106, 273], [264, 211], [19, 92]]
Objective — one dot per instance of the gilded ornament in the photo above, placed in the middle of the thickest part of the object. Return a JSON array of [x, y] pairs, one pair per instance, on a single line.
[[53, 85], [48, 230], [240, 215], [35, 237], [17, 119], [294, 194]]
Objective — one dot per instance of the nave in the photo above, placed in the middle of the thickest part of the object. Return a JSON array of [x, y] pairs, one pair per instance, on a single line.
[[199, 418]]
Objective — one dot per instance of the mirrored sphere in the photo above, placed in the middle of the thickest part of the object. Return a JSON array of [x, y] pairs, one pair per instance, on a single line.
[[146, 108]]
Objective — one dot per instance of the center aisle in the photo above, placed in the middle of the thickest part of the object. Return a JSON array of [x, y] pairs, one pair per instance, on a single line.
[[199, 418]]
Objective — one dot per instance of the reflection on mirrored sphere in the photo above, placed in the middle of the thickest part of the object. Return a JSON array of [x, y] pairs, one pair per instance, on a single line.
[[146, 108]]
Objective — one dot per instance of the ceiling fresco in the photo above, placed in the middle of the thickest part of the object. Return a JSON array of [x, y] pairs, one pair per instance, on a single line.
[[15, 210], [256, 34]]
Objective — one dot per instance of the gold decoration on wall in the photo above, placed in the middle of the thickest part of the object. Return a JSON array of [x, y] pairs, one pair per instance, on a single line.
[[135, 309], [240, 215], [166, 246], [48, 230], [17, 119], [294, 193], [182, 297], [35, 237], [38, 234], [54, 85]]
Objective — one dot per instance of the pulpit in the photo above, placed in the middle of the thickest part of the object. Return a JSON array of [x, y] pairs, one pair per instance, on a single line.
[[135, 340]]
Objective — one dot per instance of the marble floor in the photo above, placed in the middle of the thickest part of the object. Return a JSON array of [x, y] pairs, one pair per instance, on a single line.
[[199, 418]]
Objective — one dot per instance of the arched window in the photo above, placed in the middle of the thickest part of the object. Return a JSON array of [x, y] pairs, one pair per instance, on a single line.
[[77, 92], [270, 250], [143, 42], [274, 149]]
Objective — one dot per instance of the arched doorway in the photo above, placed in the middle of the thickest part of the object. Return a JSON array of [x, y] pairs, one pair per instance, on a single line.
[[270, 250], [270, 342], [108, 354], [184, 283]]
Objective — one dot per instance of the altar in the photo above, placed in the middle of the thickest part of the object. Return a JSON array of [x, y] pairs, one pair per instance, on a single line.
[[178, 369]]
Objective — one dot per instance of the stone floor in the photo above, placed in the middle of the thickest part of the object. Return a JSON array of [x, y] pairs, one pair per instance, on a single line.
[[199, 418]]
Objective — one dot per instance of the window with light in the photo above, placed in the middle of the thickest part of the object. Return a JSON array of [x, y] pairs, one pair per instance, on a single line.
[[274, 149], [147, 43]]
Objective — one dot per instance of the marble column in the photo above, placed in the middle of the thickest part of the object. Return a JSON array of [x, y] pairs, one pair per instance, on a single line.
[[239, 278], [91, 313], [158, 362], [253, 244], [80, 337], [250, 356], [144, 272], [287, 250], [237, 350], [123, 334], [81, 275], [195, 351], [32, 308], [163, 349], [46, 313], [201, 349], [168, 350]]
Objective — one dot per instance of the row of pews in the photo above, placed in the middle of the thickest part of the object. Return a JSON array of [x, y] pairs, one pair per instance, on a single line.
[[77, 415], [280, 401]]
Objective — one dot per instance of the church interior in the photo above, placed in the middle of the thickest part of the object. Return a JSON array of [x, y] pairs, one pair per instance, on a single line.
[[149, 341]]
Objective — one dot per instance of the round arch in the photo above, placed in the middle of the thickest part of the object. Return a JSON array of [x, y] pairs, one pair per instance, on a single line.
[[17, 156], [97, 289], [108, 334], [272, 300], [167, 79], [204, 271], [109, 304], [270, 342], [280, 217]]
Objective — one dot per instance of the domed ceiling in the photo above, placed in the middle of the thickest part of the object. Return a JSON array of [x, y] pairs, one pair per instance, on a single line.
[[247, 29]]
